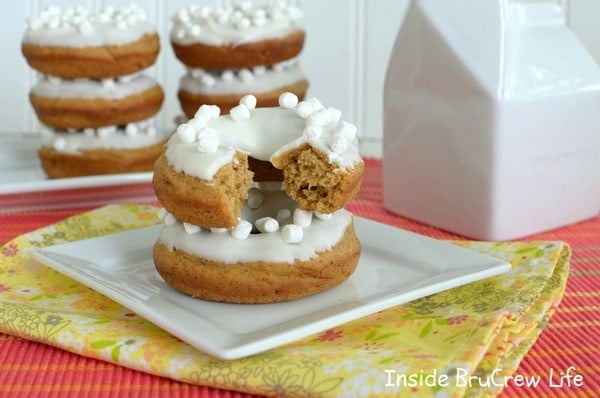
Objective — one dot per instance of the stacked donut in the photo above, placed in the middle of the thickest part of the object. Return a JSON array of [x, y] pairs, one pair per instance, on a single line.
[[239, 49], [254, 202], [95, 105]]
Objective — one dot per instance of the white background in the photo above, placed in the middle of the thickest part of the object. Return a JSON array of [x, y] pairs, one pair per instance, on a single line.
[[345, 55]]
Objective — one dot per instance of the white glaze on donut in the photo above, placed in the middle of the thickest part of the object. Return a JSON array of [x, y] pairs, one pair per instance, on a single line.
[[111, 88], [234, 24], [134, 135], [320, 236], [259, 80], [266, 133], [80, 27]]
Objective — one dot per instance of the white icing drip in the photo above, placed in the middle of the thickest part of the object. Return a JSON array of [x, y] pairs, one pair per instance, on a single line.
[[114, 88], [320, 236], [80, 27], [236, 24], [207, 82], [134, 135], [267, 133]]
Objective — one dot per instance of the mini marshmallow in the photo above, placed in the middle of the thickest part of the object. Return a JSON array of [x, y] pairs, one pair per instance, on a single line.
[[215, 230], [302, 218], [190, 228], [151, 131], [246, 75], [243, 23], [60, 144], [108, 83], [292, 233], [255, 198], [196, 73], [85, 27], [288, 100], [170, 219], [335, 114], [267, 224], [89, 131], [304, 109], [106, 131], [316, 104], [346, 129], [242, 230], [186, 133], [227, 76], [321, 117], [207, 142], [161, 213], [208, 112], [208, 80], [283, 215], [131, 129], [339, 143], [248, 100], [312, 133], [259, 70], [56, 80], [197, 123], [239, 113], [323, 216]]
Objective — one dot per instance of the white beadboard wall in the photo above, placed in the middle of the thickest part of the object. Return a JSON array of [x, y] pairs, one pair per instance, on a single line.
[[345, 56]]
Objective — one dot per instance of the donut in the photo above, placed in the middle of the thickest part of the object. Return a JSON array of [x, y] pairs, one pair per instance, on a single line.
[[104, 150], [81, 103], [230, 237], [244, 35], [239, 49], [225, 87], [83, 43], [264, 267]]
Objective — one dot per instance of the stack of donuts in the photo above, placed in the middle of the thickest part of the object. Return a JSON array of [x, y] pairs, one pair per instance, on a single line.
[[238, 49], [253, 202], [95, 105]]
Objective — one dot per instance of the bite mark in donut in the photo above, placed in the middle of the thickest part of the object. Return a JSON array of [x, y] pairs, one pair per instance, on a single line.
[[272, 247]]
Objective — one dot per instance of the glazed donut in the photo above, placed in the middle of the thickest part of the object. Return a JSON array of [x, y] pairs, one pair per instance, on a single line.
[[105, 150], [225, 87], [239, 36], [82, 43], [82, 103], [229, 238]]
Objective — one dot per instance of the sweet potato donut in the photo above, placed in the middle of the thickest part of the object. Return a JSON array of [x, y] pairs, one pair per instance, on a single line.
[[82, 103], [237, 37], [224, 88], [78, 42], [209, 273], [106, 150], [228, 238], [207, 143]]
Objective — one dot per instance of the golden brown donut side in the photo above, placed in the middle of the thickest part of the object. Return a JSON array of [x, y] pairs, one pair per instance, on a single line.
[[245, 55], [190, 102], [93, 62], [258, 282], [80, 113], [98, 161], [310, 180], [217, 203]]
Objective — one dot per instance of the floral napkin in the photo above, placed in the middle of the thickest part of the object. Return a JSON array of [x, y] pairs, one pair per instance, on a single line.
[[461, 342]]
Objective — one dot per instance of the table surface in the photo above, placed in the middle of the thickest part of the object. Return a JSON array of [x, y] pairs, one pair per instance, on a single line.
[[570, 340]]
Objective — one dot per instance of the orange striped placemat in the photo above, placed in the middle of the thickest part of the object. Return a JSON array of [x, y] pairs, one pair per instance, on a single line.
[[567, 344]]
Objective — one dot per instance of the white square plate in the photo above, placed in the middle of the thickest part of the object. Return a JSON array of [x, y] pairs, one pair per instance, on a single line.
[[396, 266]]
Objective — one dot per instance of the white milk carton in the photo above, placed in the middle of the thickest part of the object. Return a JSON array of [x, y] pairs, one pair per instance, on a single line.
[[491, 119]]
